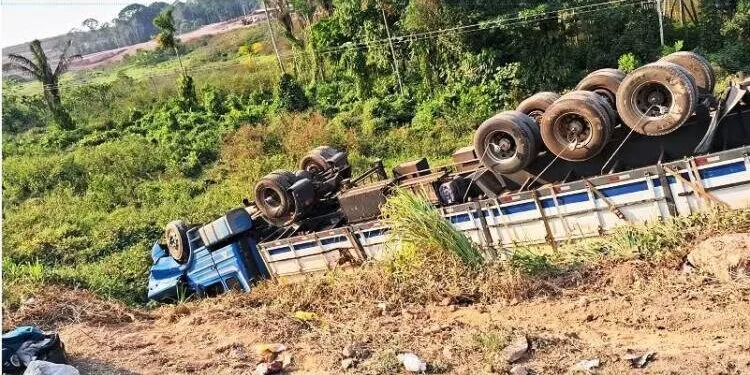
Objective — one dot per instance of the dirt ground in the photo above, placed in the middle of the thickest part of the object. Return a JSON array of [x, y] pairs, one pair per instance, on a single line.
[[694, 324]]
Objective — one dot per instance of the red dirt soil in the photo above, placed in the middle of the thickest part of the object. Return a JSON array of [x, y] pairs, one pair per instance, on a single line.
[[695, 324]]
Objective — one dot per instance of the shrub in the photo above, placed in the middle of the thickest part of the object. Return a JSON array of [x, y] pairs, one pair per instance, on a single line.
[[628, 62], [290, 94]]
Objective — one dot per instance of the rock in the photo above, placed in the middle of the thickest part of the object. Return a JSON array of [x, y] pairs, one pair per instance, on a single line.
[[586, 366], [516, 349], [519, 370], [725, 257], [447, 353], [452, 308], [639, 360], [240, 352], [412, 363], [582, 302], [347, 363], [446, 301], [356, 350]]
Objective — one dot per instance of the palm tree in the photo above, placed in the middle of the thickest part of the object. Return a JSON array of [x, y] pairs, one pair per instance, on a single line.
[[39, 67], [166, 37]]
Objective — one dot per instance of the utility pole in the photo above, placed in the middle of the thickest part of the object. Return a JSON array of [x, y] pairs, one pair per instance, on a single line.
[[273, 38], [661, 22], [393, 51]]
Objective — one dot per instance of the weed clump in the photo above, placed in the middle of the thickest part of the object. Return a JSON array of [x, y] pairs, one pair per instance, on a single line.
[[416, 221]]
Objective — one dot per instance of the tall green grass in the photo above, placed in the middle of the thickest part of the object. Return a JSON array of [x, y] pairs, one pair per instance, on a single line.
[[416, 221]]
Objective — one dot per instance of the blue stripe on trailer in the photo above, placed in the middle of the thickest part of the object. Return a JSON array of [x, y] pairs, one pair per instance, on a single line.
[[374, 232], [332, 240], [633, 187], [724, 170], [516, 208], [304, 245], [462, 218], [279, 250]]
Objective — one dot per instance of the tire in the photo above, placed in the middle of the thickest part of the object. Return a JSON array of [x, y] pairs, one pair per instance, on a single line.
[[272, 198], [535, 105], [576, 118], [504, 144], [604, 82], [316, 161], [529, 121], [665, 84], [600, 100], [175, 234], [698, 67]]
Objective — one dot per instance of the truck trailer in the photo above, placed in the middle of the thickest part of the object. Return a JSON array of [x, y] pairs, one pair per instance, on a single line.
[[620, 149]]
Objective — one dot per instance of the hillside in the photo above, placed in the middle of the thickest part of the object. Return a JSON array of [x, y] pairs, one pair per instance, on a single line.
[[133, 25], [82, 206]]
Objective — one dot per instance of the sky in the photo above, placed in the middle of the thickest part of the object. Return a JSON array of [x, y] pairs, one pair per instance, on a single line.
[[26, 20]]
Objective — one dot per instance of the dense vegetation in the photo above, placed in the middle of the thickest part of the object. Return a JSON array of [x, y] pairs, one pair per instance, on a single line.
[[82, 206]]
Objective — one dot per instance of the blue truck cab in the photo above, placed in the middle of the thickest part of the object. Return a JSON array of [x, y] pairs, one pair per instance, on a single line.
[[222, 255]]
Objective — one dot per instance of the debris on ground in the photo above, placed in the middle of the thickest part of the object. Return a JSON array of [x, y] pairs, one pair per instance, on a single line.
[[356, 350], [639, 360], [347, 363], [273, 359], [516, 349], [26, 344], [586, 366], [49, 368], [411, 362], [726, 257]]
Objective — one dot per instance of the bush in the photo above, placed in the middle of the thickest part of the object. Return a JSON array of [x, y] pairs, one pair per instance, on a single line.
[[628, 63], [290, 94]]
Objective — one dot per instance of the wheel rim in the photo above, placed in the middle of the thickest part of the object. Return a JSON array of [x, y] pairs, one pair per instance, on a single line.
[[501, 146], [173, 244], [572, 128], [271, 198], [653, 99], [313, 168], [608, 96]]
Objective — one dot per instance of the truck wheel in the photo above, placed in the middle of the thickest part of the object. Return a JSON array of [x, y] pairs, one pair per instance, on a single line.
[[576, 128], [603, 103], [535, 105], [698, 67], [316, 160], [175, 234], [272, 198], [504, 144], [656, 99], [530, 122], [604, 82]]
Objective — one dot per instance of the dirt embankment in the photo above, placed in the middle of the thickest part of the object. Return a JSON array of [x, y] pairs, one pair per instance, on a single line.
[[694, 324]]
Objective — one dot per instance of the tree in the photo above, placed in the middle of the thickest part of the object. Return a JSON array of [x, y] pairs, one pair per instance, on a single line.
[[166, 37], [40, 68], [90, 24]]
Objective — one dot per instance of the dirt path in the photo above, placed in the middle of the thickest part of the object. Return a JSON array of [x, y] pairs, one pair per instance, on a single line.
[[693, 323]]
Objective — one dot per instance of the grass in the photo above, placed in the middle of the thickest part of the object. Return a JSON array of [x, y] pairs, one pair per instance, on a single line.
[[416, 221]]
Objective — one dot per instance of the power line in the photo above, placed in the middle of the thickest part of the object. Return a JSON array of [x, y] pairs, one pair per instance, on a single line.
[[414, 37]]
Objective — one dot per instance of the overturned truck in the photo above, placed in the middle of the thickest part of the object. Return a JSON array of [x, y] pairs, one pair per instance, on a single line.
[[620, 148]]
